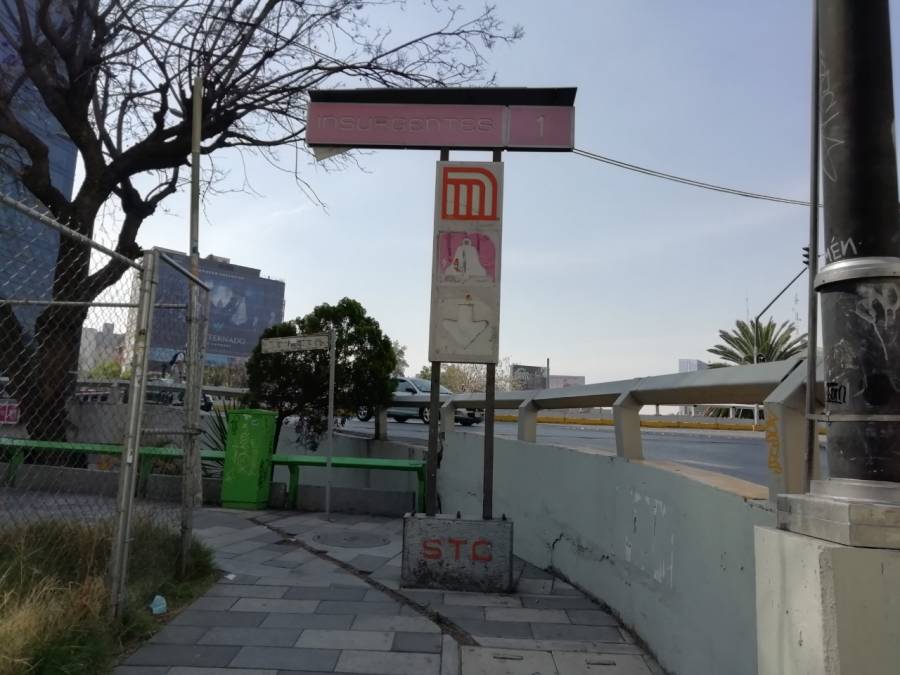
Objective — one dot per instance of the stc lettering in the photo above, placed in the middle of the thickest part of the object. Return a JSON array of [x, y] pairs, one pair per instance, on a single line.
[[479, 551]]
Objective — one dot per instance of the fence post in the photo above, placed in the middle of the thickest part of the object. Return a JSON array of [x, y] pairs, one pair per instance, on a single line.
[[527, 424], [118, 573], [627, 421]]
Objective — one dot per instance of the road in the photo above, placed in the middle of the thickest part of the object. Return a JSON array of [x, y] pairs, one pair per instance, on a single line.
[[742, 454]]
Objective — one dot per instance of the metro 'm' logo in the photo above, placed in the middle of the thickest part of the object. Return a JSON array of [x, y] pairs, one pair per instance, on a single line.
[[469, 193]]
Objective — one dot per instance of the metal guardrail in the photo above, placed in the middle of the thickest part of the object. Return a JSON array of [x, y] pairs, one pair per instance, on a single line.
[[779, 386]]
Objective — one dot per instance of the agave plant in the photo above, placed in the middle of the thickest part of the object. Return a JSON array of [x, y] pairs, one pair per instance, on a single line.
[[770, 342], [215, 438]]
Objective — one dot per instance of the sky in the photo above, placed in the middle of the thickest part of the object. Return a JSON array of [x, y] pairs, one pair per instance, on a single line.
[[608, 273]]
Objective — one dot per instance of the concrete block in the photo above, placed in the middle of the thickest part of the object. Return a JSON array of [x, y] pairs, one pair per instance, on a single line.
[[575, 663], [388, 663], [400, 624], [283, 658], [197, 617], [251, 637], [457, 553], [449, 656], [485, 661], [347, 639], [424, 643], [182, 655], [825, 608]]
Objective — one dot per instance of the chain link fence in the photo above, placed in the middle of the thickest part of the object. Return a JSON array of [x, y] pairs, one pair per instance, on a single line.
[[94, 427]]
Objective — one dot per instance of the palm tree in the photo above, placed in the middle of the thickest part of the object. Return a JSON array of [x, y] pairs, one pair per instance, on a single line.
[[772, 343]]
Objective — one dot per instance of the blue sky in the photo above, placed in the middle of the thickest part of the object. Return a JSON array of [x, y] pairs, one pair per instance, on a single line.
[[609, 273]]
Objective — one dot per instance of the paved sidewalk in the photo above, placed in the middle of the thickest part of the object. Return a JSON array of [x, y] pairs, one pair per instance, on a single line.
[[304, 596]]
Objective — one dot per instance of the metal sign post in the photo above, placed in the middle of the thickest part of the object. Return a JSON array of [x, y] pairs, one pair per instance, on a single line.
[[306, 343]]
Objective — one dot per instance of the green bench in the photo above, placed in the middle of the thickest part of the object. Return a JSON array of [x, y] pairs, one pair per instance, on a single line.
[[146, 455], [294, 462]]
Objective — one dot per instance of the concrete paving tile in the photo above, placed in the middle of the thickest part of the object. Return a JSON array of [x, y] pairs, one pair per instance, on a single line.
[[258, 570], [213, 603], [326, 593], [423, 643], [286, 658], [508, 629], [317, 566], [213, 531], [388, 663], [554, 631], [179, 635], [362, 607], [377, 596], [449, 656], [224, 540], [526, 615], [346, 639], [399, 624], [533, 586], [275, 605], [199, 617], [482, 599], [220, 671], [574, 663], [559, 602], [258, 556], [460, 611], [390, 583], [287, 564], [141, 670], [296, 555], [560, 645], [591, 617], [560, 587], [396, 561], [304, 621], [241, 547], [532, 572], [488, 661], [246, 591], [238, 579], [251, 637], [320, 580], [424, 597], [218, 555], [182, 655]]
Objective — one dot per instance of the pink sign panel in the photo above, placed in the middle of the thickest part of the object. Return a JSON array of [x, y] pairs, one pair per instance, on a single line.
[[467, 257], [541, 127], [9, 413], [421, 125], [405, 125]]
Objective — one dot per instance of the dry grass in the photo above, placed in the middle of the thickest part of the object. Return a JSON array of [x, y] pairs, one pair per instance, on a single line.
[[53, 598]]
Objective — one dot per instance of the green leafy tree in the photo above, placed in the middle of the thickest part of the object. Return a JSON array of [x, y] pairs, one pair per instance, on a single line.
[[400, 354], [772, 342], [106, 370], [296, 383]]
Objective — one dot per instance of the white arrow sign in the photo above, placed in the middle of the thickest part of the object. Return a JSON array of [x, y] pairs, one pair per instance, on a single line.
[[300, 343]]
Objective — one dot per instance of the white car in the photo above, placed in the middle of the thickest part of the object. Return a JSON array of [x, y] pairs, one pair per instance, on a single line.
[[413, 386]]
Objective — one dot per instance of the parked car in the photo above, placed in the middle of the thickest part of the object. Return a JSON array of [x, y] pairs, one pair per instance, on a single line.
[[412, 386]]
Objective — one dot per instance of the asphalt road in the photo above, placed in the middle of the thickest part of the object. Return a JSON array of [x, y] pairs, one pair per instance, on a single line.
[[742, 454]]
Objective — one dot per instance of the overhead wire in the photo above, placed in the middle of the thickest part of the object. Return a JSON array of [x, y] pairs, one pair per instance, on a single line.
[[688, 181]]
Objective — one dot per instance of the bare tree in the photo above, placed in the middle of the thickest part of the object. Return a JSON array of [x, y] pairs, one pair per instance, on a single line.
[[117, 74]]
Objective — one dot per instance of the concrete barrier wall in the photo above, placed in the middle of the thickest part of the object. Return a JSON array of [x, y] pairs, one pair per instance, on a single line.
[[670, 549]]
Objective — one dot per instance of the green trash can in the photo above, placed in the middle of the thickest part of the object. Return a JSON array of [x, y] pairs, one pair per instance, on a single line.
[[248, 458]]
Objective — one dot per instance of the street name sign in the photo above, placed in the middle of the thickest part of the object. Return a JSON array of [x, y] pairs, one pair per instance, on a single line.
[[465, 267], [299, 343]]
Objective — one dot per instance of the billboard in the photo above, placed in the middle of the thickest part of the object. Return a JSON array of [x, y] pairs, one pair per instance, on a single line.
[[563, 381], [465, 277], [523, 378], [242, 304]]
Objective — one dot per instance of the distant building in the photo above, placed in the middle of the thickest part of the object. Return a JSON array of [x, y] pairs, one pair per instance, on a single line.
[[690, 366], [242, 303], [99, 347], [28, 249]]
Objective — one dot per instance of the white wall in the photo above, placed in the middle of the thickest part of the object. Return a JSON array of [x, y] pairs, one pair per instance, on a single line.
[[671, 555]]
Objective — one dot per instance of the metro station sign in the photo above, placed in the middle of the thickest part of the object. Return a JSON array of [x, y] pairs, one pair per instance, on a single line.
[[498, 119]]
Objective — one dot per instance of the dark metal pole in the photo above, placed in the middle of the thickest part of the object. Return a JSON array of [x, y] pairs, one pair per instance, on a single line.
[[490, 388], [859, 286], [488, 489], [812, 312], [434, 414]]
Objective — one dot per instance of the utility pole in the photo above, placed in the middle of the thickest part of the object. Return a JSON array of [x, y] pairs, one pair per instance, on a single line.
[[859, 285]]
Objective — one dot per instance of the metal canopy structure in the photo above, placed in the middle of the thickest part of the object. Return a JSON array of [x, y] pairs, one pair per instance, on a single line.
[[501, 118]]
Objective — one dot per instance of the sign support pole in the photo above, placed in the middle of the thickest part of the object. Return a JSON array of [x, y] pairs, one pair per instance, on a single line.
[[332, 348], [489, 396], [434, 409]]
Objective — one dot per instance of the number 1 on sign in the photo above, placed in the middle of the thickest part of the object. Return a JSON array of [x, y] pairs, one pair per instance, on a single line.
[[540, 123]]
